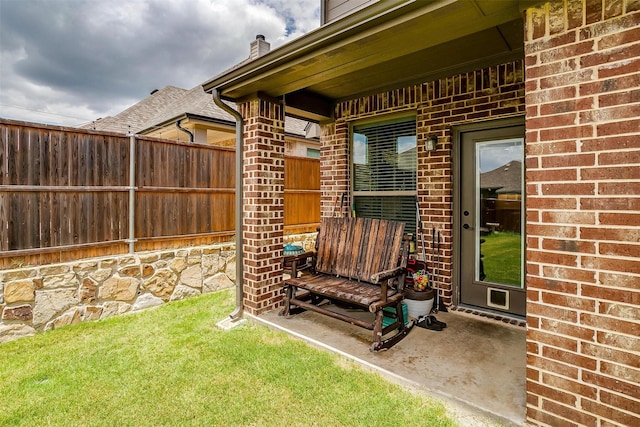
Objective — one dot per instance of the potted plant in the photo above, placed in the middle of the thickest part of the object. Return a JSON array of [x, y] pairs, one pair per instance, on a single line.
[[418, 294]]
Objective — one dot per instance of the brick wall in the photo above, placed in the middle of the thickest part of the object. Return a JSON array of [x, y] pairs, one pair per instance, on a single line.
[[334, 169], [263, 203], [583, 220], [492, 93]]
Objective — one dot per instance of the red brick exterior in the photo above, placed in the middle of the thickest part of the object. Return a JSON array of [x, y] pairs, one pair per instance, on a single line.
[[583, 221], [263, 204], [334, 169], [492, 93]]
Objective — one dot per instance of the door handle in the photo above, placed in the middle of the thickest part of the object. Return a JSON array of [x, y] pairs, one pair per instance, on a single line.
[[467, 227]]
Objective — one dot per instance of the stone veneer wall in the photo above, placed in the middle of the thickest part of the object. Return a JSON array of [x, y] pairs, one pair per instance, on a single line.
[[41, 298]]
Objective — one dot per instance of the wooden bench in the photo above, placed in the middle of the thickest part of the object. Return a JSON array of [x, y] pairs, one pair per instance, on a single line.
[[360, 262]]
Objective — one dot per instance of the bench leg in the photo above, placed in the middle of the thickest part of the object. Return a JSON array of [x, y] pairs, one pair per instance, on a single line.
[[403, 330], [377, 331], [288, 294]]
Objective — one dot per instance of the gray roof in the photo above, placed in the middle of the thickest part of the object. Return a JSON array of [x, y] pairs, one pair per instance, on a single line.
[[170, 103], [134, 118], [196, 102], [503, 179]]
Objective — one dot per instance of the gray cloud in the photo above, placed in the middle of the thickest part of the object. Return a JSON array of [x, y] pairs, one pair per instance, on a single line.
[[84, 59]]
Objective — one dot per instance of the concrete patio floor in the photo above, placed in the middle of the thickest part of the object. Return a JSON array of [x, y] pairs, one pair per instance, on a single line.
[[476, 366]]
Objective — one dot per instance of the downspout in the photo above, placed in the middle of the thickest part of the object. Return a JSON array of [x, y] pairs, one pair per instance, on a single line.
[[132, 193], [237, 313], [187, 131]]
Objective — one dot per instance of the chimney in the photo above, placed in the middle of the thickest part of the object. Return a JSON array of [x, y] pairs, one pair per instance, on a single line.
[[259, 47]]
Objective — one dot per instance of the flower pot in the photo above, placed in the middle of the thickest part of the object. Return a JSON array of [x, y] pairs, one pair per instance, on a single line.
[[410, 293], [419, 303]]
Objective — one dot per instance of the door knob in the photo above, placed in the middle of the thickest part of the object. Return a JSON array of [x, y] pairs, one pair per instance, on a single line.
[[466, 226]]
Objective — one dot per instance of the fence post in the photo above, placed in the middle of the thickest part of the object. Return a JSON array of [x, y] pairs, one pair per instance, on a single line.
[[132, 193]]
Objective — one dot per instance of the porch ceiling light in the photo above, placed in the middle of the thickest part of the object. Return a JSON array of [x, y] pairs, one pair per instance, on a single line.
[[430, 143]]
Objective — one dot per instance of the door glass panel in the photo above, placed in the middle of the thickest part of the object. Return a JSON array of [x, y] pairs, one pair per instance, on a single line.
[[498, 224]]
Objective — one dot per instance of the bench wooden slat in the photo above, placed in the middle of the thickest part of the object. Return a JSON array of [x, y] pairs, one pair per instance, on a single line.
[[356, 240], [343, 289], [342, 260], [363, 250]]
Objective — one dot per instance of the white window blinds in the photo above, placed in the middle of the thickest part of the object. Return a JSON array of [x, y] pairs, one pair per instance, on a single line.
[[384, 171]]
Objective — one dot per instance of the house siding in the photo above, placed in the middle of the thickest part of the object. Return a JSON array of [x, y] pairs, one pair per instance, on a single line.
[[583, 222], [332, 10], [492, 93]]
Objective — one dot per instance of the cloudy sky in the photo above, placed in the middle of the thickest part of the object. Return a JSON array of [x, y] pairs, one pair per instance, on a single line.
[[69, 62]]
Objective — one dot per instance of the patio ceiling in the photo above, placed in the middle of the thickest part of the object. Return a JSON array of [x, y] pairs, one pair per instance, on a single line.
[[387, 45]]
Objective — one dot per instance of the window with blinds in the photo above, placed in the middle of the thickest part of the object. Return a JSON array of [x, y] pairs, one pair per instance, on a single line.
[[384, 171]]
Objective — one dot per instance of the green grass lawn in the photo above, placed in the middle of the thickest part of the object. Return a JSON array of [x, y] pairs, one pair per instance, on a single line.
[[172, 367], [502, 258]]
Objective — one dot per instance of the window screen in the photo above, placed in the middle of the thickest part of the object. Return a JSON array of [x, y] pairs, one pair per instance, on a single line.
[[384, 171]]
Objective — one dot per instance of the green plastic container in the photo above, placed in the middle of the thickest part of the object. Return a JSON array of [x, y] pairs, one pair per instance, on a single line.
[[386, 321]]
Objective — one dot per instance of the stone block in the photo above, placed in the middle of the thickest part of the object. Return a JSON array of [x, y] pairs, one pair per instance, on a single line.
[[230, 271], [178, 264], [21, 312], [66, 280], [192, 277], [182, 292], [212, 263], [148, 258], [50, 303], [20, 291], [146, 301], [13, 331], [147, 270], [130, 271], [54, 270], [91, 313], [88, 291], [84, 268], [114, 308], [182, 253], [72, 316], [195, 255], [23, 273], [119, 289], [101, 275], [127, 260], [161, 284], [108, 263], [195, 252], [217, 282]]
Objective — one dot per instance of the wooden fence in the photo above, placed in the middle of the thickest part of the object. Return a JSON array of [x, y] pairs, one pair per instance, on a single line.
[[65, 194]]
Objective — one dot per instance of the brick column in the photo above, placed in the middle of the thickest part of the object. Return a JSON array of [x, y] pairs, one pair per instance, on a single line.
[[263, 204], [583, 226]]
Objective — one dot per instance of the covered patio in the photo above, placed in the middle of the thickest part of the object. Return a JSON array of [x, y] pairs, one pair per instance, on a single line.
[[476, 365], [556, 77]]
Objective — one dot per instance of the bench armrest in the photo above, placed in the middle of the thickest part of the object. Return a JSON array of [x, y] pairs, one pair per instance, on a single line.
[[300, 262], [387, 274]]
